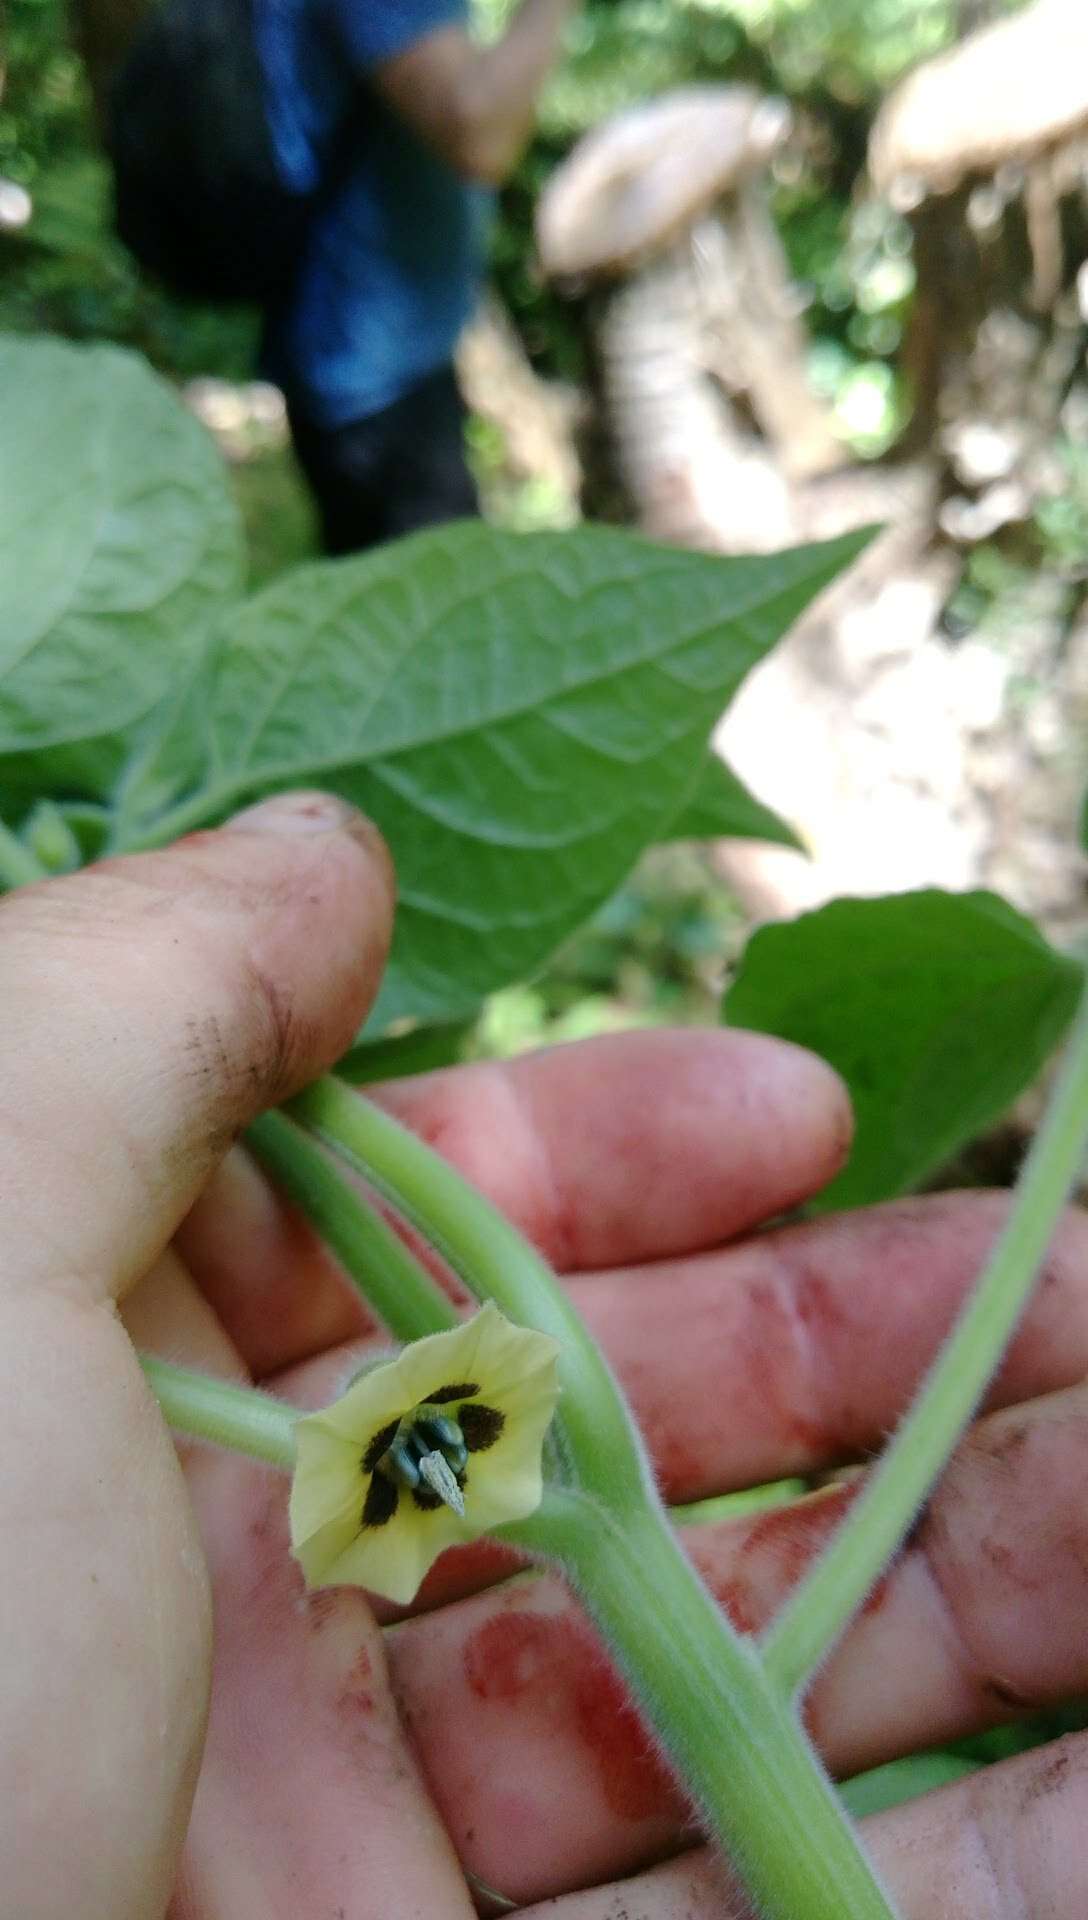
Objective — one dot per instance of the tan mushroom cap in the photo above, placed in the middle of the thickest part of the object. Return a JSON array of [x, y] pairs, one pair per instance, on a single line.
[[1003, 95], [634, 183]]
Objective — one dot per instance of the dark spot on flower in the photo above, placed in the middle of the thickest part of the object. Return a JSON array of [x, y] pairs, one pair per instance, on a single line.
[[380, 1444], [481, 1426], [459, 1390], [381, 1502]]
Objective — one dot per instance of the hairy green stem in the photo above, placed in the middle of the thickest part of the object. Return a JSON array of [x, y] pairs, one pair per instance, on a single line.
[[379, 1265], [737, 1745], [495, 1262], [822, 1605], [18, 865], [228, 1415]]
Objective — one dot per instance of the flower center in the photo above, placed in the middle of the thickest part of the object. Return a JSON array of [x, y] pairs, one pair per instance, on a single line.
[[428, 1451]]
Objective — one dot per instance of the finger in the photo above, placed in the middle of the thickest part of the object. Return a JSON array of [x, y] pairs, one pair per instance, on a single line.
[[310, 1799], [1006, 1842], [167, 1314], [625, 1148], [743, 1365], [151, 1006], [758, 1377], [981, 1618], [635, 1146], [801, 1348], [271, 1282], [154, 1004]]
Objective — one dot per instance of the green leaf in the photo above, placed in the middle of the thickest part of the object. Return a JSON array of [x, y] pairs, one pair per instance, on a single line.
[[720, 807], [520, 713], [901, 1780], [936, 1008], [393, 1058], [118, 539]]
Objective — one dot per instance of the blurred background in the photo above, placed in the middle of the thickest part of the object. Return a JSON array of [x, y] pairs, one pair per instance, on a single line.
[[882, 320]]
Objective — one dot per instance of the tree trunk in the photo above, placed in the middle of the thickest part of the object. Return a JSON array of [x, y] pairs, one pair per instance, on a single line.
[[755, 332], [695, 474]]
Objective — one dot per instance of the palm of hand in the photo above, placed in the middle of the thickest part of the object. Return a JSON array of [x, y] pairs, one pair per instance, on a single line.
[[343, 1761], [152, 1007]]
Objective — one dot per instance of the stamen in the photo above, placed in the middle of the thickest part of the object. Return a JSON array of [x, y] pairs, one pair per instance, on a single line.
[[426, 1455], [402, 1459], [434, 1468]]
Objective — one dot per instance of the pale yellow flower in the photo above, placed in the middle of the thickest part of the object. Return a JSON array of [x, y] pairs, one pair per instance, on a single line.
[[456, 1421]]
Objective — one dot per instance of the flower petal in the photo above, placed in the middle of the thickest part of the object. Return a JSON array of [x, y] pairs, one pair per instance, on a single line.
[[511, 1370]]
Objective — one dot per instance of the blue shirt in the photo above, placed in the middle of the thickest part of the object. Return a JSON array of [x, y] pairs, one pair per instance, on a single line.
[[395, 253]]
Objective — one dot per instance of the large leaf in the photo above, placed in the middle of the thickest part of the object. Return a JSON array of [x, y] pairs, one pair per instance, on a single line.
[[521, 714], [721, 807], [118, 540], [936, 1009]]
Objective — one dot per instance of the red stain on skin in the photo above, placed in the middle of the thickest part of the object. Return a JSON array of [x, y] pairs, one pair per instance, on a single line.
[[508, 1655], [355, 1695], [321, 1608], [790, 1314], [775, 1551], [783, 1542], [557, 1668], [634, 1783], [737, 1602], [780, 1543], [876, 1598], [680, 1465]]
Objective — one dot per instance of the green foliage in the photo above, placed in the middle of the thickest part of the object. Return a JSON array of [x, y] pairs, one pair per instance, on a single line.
[[66, 270], [655, 954], [936, 1009], [721, 807], [521, 714], [118, 540], [901, 1780]]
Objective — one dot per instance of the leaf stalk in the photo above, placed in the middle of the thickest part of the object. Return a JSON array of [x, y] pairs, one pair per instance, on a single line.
[[822, 1605]]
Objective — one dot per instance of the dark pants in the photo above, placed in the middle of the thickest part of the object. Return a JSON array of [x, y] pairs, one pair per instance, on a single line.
[[396, 471]]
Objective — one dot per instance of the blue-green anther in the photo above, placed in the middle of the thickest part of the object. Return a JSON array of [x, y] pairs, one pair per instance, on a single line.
[[400, 1461], [428, 1446], [438, 1430]]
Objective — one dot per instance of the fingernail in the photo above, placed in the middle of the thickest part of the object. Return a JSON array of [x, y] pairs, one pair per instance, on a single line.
[[308, 812]]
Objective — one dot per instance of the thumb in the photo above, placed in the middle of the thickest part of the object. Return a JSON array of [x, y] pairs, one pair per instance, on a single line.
[[154, 1004]]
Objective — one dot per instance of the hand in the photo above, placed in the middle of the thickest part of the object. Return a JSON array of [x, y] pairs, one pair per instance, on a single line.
[[151, 1008]]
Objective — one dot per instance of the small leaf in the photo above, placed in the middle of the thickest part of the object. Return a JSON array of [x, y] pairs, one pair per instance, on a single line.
[[936, 1008], [521, 715], [118, 539], [398, 1055], [720, 807], [901, 1780]]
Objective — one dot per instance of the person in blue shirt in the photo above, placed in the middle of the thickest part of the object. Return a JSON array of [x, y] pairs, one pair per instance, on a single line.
[[363, 347]]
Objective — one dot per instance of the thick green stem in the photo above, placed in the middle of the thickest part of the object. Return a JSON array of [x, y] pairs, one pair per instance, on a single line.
[[823, 1604], [379, 1265], [494, 1261], [18, 866], [230, 1416], [737, 1745]]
